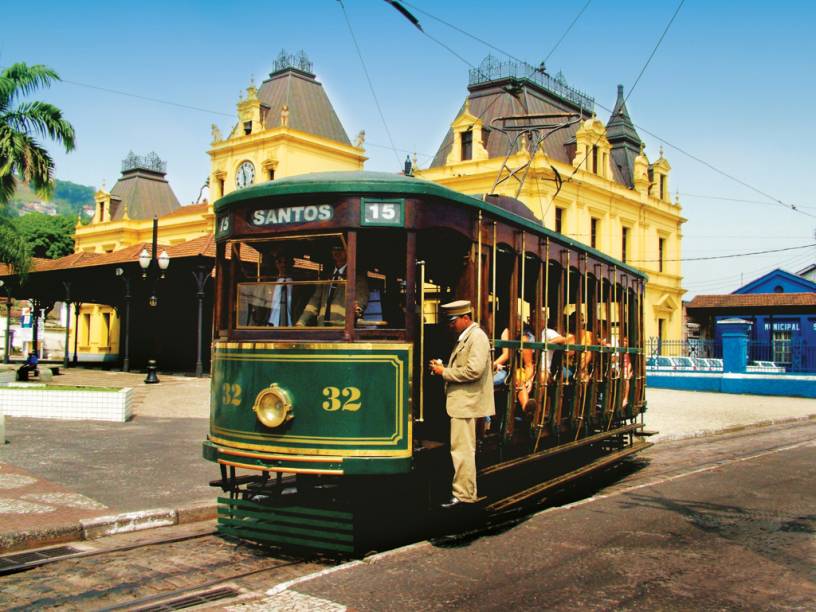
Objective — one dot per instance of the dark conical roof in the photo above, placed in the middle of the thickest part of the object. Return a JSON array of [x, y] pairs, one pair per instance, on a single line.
[[310, 109], [626, 144], [142, 190], [620, 126]]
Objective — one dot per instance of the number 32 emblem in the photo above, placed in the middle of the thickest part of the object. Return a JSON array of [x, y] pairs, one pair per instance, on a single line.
[[350, 402]]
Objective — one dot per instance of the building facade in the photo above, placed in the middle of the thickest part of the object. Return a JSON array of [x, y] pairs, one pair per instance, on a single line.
[[780, 308], [585, 179], [286, 126]]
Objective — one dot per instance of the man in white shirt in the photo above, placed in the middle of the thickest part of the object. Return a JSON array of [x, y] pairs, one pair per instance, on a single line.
[[280, 314]]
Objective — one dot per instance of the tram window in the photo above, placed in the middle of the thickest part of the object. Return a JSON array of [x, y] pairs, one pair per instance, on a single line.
[[381, 258], [295, 282]]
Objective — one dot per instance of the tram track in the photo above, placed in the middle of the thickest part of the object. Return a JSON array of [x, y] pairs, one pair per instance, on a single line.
[[47, 559], [153, 574]]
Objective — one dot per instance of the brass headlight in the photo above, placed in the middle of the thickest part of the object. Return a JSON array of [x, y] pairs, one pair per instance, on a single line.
[[273, 406]]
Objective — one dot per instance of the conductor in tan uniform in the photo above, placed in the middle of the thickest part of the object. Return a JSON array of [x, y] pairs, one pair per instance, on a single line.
[[468, 395]]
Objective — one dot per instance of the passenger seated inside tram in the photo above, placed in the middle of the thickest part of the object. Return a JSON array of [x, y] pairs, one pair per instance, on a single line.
[[586, 339], [523, 382], [327, 306], [550, 336]]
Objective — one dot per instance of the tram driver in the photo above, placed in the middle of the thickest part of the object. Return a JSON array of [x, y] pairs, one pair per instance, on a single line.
[[327, 306]]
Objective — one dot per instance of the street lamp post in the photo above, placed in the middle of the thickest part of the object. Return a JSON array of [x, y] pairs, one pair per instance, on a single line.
[[201, 275], [153, 269], [7, 291], [120, 272], [66, 357]]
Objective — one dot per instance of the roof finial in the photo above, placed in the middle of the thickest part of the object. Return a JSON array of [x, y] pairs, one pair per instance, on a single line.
[[661, 151]]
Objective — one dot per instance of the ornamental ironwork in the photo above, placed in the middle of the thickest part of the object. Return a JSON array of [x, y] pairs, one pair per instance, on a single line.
[[493, 69], [298, 61], [151, 162]]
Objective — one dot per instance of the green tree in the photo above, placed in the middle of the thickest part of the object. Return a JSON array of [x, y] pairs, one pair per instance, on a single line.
[[21, 154], [47, 236]]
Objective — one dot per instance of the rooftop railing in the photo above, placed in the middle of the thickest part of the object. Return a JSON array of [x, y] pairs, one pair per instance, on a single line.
[[493, 69]]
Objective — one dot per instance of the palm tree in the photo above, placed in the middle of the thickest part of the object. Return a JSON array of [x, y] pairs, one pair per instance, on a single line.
[[21, 155]]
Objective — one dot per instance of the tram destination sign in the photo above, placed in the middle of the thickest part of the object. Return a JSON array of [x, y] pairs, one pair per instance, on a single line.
[[382, 212], [292, 214]]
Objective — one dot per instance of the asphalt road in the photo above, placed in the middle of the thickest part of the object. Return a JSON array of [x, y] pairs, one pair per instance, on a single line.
[[723, 522]]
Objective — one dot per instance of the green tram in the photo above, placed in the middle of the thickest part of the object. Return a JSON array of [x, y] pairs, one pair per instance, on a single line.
[[328, 428]]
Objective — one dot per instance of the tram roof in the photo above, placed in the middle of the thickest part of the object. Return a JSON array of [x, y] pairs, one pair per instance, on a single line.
[[384, 183]]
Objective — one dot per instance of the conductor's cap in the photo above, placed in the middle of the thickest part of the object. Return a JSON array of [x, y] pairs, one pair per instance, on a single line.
[[454, 310]]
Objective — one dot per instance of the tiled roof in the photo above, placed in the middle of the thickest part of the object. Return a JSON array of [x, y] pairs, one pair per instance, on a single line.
[[734, 300], [187, 209], [203, 246]]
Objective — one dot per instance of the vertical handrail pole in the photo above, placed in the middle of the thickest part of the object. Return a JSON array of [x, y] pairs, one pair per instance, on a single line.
[[421, 341], [495, 297], [479, 271]]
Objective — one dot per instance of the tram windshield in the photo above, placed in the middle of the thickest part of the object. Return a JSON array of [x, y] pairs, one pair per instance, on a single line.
[[303, 282]]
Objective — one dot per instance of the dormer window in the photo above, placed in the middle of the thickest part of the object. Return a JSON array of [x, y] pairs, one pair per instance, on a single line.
[[247, 128], [467, 145], [662, 186], [595, 159]]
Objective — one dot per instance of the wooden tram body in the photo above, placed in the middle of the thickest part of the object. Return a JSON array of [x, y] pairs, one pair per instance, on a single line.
[[331, 434]]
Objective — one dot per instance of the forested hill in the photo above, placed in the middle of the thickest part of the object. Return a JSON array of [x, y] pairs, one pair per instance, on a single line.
[[68, 199]]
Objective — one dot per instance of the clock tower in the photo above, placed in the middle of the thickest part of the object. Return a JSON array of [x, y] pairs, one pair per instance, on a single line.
[[286, 126]]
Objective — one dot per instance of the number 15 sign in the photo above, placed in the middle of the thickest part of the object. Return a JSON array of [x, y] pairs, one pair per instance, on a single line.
[[383, 212]]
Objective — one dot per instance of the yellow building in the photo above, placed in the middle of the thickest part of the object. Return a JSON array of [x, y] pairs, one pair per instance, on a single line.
[[611, 196], [287, 126]]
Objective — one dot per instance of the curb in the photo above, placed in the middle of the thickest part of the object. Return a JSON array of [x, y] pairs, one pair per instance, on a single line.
[[101, 526], [735, 428]]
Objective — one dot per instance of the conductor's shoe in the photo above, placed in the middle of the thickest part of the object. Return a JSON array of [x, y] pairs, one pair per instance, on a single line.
[[453, 502]]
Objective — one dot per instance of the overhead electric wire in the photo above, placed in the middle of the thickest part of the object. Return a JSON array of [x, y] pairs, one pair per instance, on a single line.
[[631, 88], [792, 263], [773, 200], [710, 166], [740, 200], [731, 256], [148, 98], [370, 84]]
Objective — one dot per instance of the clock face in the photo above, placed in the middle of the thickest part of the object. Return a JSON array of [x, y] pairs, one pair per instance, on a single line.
[[245, 175]]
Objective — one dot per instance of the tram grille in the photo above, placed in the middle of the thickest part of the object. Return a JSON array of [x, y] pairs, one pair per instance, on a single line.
[[188, 601], [16, 561]]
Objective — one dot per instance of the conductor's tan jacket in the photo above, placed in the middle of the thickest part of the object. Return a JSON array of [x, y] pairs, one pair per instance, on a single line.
[[469, 377]]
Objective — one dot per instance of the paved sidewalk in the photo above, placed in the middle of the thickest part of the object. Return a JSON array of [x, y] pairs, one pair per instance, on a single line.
[[54, 474]]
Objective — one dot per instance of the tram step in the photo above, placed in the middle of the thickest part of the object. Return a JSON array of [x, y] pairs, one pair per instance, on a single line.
[[512, 500], [561, 448]]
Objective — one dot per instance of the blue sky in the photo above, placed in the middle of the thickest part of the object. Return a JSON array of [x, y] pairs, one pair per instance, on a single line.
[[732, 84]]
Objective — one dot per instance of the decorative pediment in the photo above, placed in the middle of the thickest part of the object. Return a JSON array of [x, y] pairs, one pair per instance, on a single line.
[[666, 303], [467, 138]]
